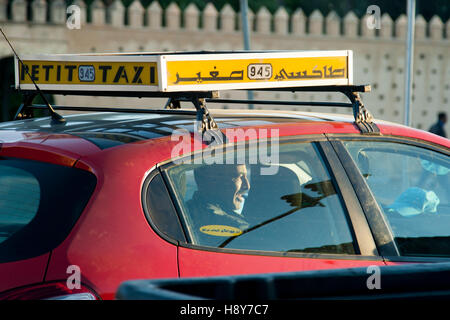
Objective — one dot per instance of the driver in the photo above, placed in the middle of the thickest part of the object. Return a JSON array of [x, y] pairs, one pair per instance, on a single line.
[[216, 206]]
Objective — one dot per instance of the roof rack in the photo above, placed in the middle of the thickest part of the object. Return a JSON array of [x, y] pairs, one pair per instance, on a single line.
[[197, 78]]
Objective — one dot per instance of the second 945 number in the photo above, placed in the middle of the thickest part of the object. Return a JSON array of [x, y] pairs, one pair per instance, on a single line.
[[259, 71]]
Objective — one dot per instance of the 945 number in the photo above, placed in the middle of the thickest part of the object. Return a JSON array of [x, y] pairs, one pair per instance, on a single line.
[[259, 71]]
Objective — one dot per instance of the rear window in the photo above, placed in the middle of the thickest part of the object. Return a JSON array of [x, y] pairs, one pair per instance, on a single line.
[[39, 205]]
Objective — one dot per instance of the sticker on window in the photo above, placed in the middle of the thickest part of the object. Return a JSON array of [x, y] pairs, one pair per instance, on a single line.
[[221, 231]]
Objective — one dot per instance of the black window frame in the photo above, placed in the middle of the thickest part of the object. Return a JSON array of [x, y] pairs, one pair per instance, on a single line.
[[374, 215], [365, 245]]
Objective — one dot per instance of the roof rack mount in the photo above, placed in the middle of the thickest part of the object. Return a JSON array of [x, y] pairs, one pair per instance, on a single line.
[[206, 126]]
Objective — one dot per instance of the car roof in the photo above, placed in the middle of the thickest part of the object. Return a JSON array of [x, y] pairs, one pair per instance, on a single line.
[[111, 129], [108, 129]]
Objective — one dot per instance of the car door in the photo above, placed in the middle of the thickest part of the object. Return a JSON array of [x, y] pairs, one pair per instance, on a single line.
[[301, 211], [407, 187]]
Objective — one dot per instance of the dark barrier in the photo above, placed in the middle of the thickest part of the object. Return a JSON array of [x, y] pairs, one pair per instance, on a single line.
[[413, 281]]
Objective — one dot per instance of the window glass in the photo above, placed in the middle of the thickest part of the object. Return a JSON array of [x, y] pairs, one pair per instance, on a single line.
[[160, 210], [19, 199], [412, 186], [39, 205], [290, 206]]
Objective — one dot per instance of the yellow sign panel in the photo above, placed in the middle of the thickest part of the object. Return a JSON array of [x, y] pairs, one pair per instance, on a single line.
[[221, 231], [172, 72], [89, 73], [256, 70]]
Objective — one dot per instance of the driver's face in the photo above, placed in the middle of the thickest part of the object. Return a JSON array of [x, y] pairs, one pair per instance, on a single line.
[[235, 187], [241, 186], [225, 185]]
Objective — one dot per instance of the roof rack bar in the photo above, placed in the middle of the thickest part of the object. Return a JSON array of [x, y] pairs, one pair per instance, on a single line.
[[363, 118], [284, 103], [352, 88], [186, 96], [112, 109]]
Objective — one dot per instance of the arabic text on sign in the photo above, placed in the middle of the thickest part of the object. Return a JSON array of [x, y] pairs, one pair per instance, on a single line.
[[328, 73], [214, 76]]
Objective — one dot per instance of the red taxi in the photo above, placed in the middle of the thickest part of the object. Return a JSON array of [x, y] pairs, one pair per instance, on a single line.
[[94, 199]]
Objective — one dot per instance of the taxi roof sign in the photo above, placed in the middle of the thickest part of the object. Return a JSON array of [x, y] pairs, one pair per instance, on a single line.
[[183, 72]]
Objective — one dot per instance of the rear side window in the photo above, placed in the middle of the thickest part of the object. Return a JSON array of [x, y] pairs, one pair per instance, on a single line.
[[160, 210], [291, 205], [412, 186], [39, 205], [20, 195]]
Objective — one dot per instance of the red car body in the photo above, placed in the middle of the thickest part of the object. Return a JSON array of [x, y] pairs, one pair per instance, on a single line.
[[112, 240]]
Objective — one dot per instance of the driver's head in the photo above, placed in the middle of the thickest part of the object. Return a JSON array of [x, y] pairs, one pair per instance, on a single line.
[[223, 184]]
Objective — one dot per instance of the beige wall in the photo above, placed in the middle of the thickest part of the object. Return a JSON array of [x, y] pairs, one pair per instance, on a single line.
[[379, 56]]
